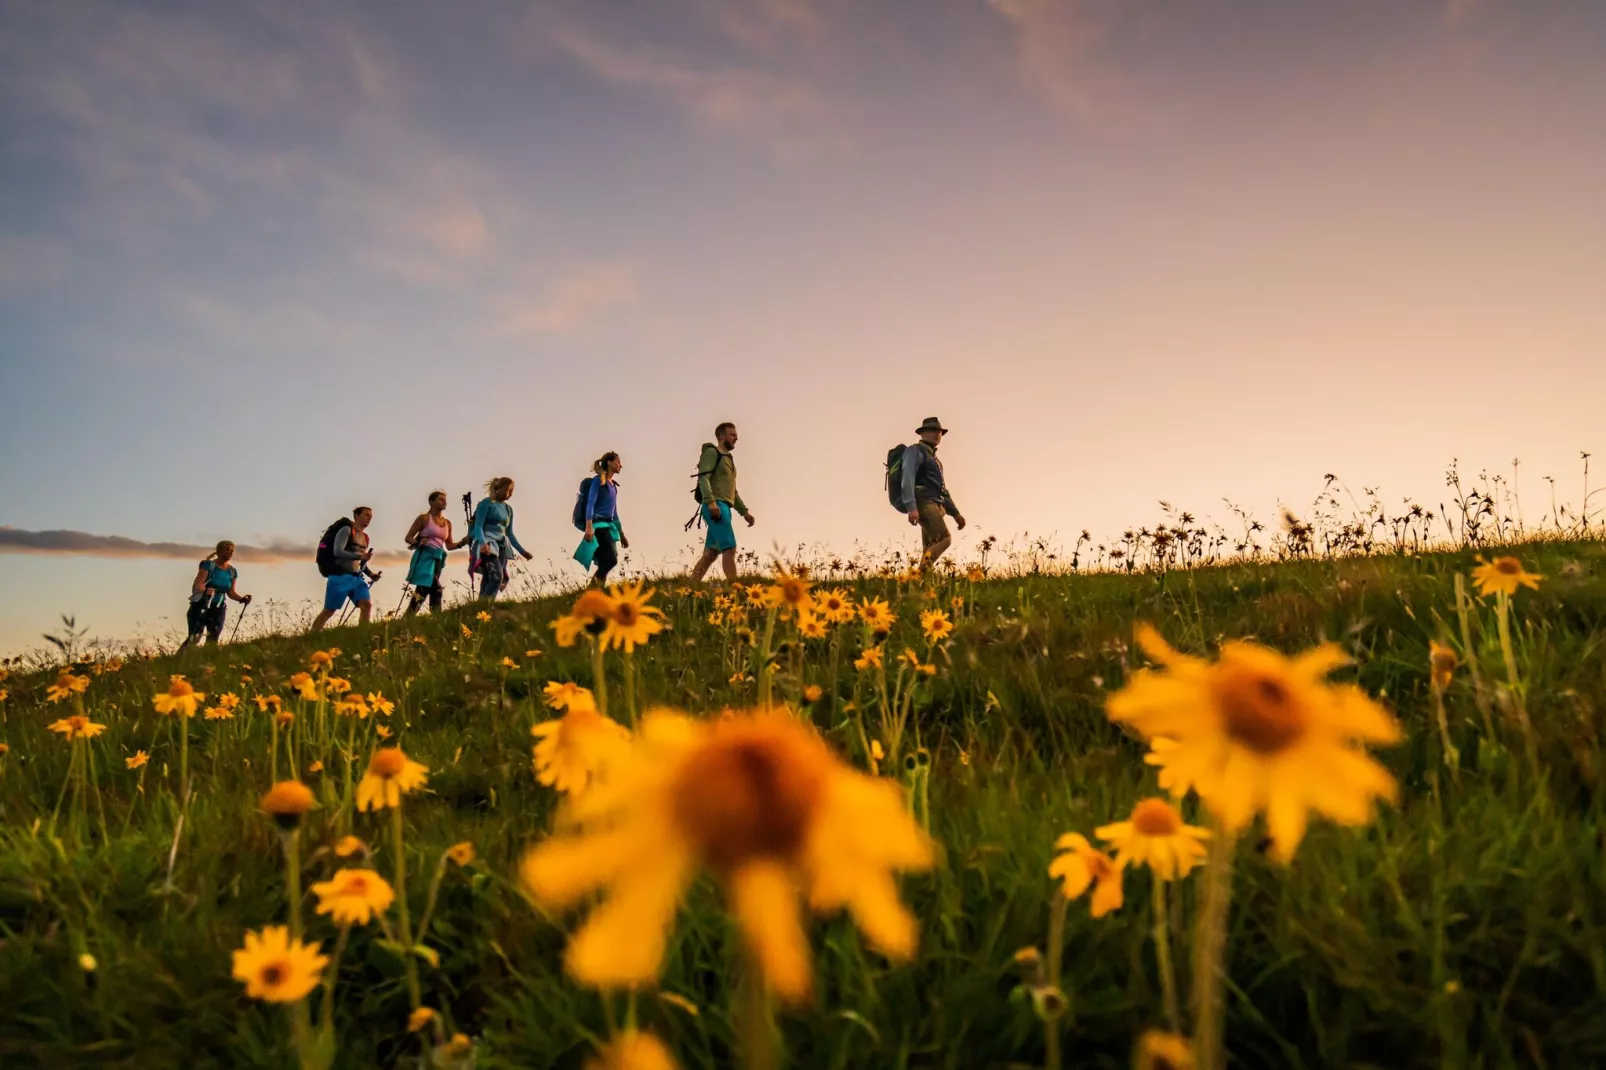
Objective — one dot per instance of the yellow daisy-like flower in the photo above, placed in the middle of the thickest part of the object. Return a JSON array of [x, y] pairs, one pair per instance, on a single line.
[[811, 625], [461, 853], [284, 718], [565, 695], [109, 665], [790, 589], [269, 703], [975, 574], [532, 653], [347, 846], [468, 633], [483, 617], [378, 703], [577, 747], [219, 713], [304, 685], [321, 660], [759, 800], [836, 606], [276, 968], [632, 621], [716, 619], [315, 767], [633, 1050], [813, 693], [1260, 732], [1503, 575], [287, 802], [420, 1017], [568, 629], [354, 896], [391, 774], [179, 698], [228, 700], [66, 684], [138, 760], [910, 658], [1442, 664], [936, 624], [1155, 836], [1162, 1051], [877, 751], [1079, 866], [382, 731], [337, 685], [872, 658], [353, 705], [509, 663], [877, 615], [77, 727]]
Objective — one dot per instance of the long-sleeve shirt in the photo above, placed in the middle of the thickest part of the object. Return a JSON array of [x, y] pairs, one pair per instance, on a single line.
[[716, 477], [923, 479], [493, 522], [602, 501]]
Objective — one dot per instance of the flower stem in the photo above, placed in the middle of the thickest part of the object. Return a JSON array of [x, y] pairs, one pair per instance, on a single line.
[[630, 686], [183, 762], [1513, 681], [1162, 955], [403, 922], [1209, 953], [291, 839], [766, 670], [599, 676], [756, 1029], [1056, 956], [273, 753]]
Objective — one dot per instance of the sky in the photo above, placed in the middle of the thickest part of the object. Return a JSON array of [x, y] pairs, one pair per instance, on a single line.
[[261, 262]]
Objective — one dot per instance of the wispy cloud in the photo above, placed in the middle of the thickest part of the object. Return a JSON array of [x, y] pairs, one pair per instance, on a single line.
[[81, 543], [574, 301], [1056, 44]]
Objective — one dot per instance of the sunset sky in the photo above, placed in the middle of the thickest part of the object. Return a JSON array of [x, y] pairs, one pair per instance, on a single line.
[[260, 262]]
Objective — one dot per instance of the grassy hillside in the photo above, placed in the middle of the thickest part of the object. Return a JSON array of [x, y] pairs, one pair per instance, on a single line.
[[1464, 926]]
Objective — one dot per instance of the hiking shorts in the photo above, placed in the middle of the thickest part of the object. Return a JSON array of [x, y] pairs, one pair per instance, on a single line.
[[721, 532], [344, 585], [933, 523], [208, 619]]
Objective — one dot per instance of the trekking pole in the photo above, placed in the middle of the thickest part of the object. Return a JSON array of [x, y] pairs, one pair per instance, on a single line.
[[473, 551], [240, 619], [405, 587]]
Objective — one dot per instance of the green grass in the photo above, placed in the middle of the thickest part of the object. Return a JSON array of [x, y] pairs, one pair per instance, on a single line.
[[1465, 927]]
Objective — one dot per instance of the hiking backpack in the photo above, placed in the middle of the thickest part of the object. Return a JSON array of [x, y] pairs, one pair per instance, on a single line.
[[326, 546], [895, 476], [580, 502]]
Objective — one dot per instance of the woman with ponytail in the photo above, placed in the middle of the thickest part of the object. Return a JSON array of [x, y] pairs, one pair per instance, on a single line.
[[431, 540], [491, 533], [602, 516], [214, 583]]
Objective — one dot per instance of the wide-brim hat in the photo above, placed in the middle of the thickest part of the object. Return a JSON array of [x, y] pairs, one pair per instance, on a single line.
[[931, 424]]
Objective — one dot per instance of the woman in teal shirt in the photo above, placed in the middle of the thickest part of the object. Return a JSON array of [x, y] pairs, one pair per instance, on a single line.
[[215, 582]]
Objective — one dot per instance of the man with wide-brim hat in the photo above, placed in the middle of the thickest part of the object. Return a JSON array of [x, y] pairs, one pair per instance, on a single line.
[[926, 500]]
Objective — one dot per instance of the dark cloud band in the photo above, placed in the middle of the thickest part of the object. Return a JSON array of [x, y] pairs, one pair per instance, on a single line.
[[17, 541]]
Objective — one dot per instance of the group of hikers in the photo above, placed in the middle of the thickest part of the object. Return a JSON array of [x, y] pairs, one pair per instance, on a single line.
[[914, 480]]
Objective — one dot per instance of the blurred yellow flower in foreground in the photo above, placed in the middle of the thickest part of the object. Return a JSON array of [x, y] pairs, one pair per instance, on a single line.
[[391, 774], [77, 727], [759, 800], [179, 698], [461, 853], [347, 846], [354, 896], [1503, 575], [1260, 732], [1080, 865], [420, 1017], [277, 968], [1155, 836], [65, 685], [1162, 1051], [633, 1050], [302, 684], [576, 747], [1442, 664]]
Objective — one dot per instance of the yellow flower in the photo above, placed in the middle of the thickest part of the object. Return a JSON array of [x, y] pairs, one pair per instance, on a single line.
[[564, 695], [382, 731], [957, 603], [835, 606], [870, 659], [1503, 575], [303, 684], [347, 846], [1155, 836], [633, 1050], [717, 619], [468, 633], [378, 703], [532, 653], [811, 625], [813, 693], [760, 801], [353, 896], [454, 1051], [964, 757], [632, 622], [461, 853], [65, 685], [219, 713], [738, 678], [1260, 732], [321, 660], [315, 768], [483, 617], [391, 774], [568, 629], [509, 663], [138, 760], [180, 698], [1079, 866], [910, 658], [337, 685], [876, 751], [277, 968], [352, 705], [87, 963], [975, 574], [1442, 664], [420, 1017], [577, 747], [76, 727], [936, 625], [269, 703], [594, 607], [877, 616], [790, 589], [287, 802], [284, 718], [109, 665], [1162, 1051], [229, 700]]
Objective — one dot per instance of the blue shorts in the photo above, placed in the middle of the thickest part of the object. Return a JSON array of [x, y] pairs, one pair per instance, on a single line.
[[344, 585], [721, 532]]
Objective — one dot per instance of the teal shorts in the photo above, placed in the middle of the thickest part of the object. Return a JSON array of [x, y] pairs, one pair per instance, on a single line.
[[721, 532]]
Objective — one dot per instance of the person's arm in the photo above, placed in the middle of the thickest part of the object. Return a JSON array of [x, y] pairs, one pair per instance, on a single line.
[[591, 501], [476, 527], [913, 458], [199, 586], [412, 532], [741, 506], [342, 541], [514, 539], [450, 545]]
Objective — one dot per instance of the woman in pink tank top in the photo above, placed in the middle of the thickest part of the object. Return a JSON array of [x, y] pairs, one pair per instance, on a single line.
[[431, 539]]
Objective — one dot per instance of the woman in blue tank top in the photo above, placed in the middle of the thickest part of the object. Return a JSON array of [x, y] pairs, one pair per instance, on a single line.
[[215, 582]]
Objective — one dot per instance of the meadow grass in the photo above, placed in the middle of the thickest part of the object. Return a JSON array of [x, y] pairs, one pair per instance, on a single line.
[[1463, 927]]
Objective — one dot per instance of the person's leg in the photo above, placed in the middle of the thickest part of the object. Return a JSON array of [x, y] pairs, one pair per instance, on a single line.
[[606, 557], [728, 560], [364, 609], [214, 624], [194, 624], [320, 620], [934, 536], [703, 563], [415, 600], [436, 593]]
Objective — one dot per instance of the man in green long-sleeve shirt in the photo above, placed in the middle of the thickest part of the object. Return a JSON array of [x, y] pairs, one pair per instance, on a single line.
[[716, 485]]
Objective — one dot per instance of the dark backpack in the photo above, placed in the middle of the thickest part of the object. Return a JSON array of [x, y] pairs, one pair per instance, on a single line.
[[697, 476], [580, 502], [326, 546], [895, 476]]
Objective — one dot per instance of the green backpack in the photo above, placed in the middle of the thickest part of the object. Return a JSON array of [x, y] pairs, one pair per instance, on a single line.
[[895, 476]]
